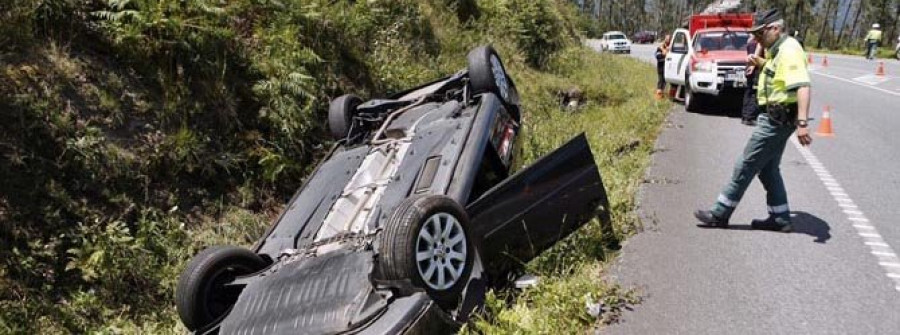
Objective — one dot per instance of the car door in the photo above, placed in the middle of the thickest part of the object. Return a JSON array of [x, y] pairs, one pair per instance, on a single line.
[[677, 58], [530, 211]]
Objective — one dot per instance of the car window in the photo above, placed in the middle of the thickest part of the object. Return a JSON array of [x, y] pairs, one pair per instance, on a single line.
[[722, 41], [679, 43], [617, 37]]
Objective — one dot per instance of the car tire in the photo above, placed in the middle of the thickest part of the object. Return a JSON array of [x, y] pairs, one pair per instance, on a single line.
[[487, 74], [691, 102], [201, 296], [340, 115], [408, 248]]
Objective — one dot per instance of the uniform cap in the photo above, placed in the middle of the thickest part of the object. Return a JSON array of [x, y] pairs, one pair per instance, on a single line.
[[763, 18]]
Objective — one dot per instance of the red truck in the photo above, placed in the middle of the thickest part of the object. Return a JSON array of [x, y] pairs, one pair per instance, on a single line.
[[710, 57]]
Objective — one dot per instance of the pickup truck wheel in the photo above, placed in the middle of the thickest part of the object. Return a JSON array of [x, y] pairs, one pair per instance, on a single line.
[[201, 295], [340, 115], [690, 99], [487, 73], [689, 104], [427, 241]]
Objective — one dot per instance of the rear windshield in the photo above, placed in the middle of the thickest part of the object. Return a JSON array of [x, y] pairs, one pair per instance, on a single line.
[[733, 40], [615, 37]]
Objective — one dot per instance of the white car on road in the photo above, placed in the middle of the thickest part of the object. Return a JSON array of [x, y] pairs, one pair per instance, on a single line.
[[615, 41]]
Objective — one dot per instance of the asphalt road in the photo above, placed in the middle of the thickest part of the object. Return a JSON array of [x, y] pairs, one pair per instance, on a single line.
[[838, 273]]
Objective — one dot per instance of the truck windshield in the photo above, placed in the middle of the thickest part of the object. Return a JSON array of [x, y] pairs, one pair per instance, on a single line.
[[715, 41], [616, 37]]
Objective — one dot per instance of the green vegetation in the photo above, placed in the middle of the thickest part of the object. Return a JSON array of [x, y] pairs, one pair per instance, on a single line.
[[882, 52], [135, 132]]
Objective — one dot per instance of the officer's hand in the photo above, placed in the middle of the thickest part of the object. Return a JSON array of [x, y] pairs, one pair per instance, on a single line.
[[750, 70], [803, 136], [755, 61]]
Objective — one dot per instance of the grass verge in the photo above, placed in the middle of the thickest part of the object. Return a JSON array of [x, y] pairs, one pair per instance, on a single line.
[[883, 52]]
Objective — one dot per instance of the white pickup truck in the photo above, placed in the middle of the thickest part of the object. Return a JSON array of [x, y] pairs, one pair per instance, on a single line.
[[615, 41], [708, 59]]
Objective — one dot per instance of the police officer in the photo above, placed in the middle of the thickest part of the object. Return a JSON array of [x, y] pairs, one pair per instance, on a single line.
[[783, 94], [873, 38]]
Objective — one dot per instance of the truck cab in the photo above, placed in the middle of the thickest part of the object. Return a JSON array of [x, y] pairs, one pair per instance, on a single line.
[[710, 57]]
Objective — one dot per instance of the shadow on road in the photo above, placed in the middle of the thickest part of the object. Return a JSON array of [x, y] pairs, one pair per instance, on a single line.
[[726, 105], [811, 225], [804, 223]]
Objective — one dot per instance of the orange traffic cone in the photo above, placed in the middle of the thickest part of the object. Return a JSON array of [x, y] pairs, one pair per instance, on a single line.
[[879, 71], [824, 61], [809, 59], [825, 126]]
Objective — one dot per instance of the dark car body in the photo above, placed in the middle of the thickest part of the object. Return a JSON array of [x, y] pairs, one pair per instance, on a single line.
[[643, 37], [323, 251]]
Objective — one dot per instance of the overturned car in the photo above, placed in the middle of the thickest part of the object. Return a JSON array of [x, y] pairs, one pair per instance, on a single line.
[[406, 223]]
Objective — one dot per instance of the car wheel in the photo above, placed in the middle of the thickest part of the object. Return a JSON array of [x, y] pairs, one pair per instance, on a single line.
[[202, 296], [487, 73], [427, 240], [340, 115], [690, 99]]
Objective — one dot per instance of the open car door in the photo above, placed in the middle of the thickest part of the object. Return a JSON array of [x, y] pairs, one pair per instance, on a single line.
[[678, 57], [539, 205]]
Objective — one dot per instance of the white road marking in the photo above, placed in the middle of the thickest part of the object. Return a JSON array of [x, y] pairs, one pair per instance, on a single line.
[[885, 256], [858, 83], [871, 79]]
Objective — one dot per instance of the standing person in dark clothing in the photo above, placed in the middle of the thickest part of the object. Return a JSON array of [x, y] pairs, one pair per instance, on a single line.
[[750, 108], [661, 52], [796, 36]]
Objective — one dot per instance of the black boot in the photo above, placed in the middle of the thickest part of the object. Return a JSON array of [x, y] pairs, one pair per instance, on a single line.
[[773, 224], [710, 220]]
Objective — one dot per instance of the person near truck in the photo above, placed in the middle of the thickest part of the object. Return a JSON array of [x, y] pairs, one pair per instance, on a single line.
[[873, 39], [796, 35], [750, 108], [661, 51], [783, 94]]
